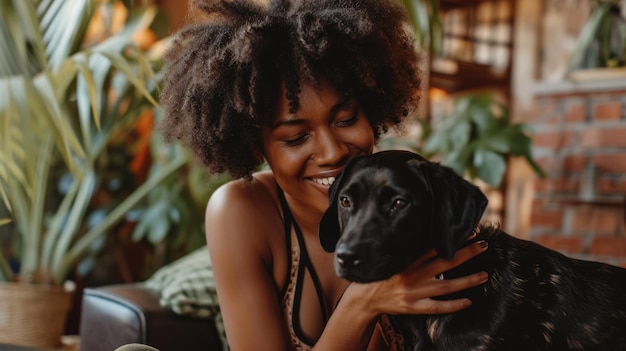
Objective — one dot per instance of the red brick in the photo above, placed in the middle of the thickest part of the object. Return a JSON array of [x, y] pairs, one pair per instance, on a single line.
[[613, 162], [547, 186], [538, 204], [543, 185], [604, 137], [543, 108], [547, 163], [574, 163], [615, 94], [595, 219], [553, 120], [545, 139], [559, 185], [609, 245], [608, 111], [611, 185], [567, 185], [575, 112], [553, 139], [573, 244], [552, 219]]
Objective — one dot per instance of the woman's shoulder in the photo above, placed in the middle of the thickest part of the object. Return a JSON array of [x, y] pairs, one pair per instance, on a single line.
[[244, 208], [244, 223], [261, 191]]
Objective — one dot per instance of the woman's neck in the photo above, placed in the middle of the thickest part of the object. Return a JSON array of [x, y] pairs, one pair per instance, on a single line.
[[307, 216]]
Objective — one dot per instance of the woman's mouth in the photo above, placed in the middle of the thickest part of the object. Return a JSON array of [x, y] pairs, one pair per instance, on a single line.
[[327, 181]]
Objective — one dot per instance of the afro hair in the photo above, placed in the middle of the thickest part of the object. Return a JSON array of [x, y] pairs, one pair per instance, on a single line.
[[224, 70]]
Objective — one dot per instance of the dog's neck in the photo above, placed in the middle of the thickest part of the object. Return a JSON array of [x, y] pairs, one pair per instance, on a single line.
[[470, 239]]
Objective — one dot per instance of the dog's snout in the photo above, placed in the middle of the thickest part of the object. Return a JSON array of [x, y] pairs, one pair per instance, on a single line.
[[349, 256]]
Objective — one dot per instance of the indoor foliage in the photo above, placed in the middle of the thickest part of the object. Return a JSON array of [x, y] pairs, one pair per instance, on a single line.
[[74, 77], [476, 138], [602, 41]]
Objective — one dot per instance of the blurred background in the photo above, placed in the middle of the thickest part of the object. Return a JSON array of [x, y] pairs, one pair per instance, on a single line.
[[525, 98]]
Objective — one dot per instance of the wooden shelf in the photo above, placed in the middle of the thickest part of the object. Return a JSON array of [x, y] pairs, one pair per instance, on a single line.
[[612, 200]]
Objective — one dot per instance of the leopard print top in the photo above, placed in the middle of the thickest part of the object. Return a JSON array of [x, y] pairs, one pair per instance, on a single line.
[[299, 262]]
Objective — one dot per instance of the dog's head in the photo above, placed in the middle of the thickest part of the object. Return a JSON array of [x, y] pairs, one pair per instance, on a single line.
[[389, 208]]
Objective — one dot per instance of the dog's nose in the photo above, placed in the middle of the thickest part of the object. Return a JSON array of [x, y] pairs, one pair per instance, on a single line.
[[348, 257]]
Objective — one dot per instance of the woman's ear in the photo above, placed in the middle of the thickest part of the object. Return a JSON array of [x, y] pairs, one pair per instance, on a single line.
[[458, 206]]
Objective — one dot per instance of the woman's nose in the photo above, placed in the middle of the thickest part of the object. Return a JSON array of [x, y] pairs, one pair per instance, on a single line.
[[331, 150]]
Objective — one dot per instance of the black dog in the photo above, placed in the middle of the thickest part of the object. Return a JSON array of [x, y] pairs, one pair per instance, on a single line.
[[389, 208]]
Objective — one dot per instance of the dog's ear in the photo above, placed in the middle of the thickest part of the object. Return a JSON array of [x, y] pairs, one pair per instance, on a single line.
[[458, 206], [329, 230]]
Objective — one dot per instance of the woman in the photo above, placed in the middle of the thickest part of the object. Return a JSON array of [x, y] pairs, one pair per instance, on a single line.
[[304, 86]]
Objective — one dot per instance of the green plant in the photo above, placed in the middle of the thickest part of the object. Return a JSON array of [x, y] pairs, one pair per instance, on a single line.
[[426, 23], [476, 138], [602, 41], [170, 216], [64, 95]]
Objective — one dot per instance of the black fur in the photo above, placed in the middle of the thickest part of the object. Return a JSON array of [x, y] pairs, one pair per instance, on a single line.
[[389, 208]]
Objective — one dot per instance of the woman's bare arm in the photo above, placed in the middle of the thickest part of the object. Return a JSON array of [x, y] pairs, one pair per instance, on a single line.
[[405, 293], [238, 240], [240, 253]]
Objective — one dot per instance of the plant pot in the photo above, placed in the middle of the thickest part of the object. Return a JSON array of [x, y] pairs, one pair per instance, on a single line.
[[34, 315], [597, 74]]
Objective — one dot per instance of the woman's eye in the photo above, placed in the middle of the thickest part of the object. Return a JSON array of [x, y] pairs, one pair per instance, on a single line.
[[348, 122], [344, 201], [399, 204], [296, 141]]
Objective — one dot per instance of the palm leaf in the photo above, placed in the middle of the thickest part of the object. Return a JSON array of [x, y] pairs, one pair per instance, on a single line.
[[64, 24], [70, 257], [32, 235], [56, 92], [589, 32], [72, 223], [46, 105], [16, 55], [425, 19]]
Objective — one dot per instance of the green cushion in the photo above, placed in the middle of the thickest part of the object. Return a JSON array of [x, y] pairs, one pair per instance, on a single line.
[[187, 287]]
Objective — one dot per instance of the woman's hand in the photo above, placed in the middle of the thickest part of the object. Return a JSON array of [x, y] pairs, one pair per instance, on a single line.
[[410, 292]]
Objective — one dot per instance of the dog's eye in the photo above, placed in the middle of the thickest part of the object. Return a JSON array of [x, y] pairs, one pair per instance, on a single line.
[[399, 204], [344, 201]]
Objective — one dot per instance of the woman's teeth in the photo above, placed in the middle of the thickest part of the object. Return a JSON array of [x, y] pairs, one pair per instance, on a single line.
[[324, 181]]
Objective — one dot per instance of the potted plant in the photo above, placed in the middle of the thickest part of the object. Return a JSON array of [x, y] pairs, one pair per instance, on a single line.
[[476, 137], [66, 89], [601, 44], [424, 16]]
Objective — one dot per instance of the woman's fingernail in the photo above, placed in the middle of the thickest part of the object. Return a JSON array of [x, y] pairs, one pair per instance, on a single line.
[[483, 276], [483, 244]]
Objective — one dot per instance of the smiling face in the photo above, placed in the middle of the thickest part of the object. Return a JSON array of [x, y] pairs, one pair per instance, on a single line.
[[307, 149]]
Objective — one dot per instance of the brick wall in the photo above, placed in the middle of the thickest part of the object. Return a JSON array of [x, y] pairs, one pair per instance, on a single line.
[[578, 130]]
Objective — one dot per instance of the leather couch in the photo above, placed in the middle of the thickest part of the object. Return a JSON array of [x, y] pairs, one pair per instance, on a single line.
[[116, 315]]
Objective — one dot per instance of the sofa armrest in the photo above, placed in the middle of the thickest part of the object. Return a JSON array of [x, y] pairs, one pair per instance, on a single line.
[[116, 315]]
